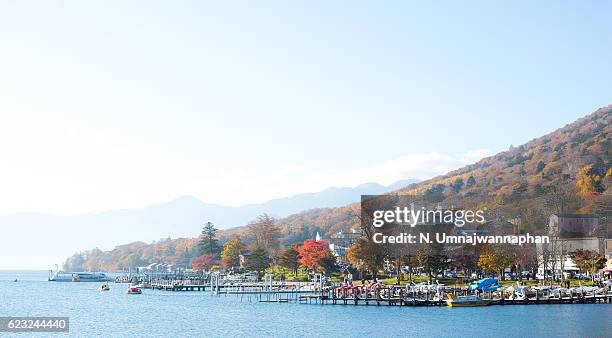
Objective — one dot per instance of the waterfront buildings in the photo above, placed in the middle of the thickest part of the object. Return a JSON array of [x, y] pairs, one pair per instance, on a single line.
[[569, 233]]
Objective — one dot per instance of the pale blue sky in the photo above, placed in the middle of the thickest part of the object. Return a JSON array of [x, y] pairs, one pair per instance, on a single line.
[[112, 104]]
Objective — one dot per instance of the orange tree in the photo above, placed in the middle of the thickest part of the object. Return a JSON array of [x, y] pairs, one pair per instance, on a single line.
[[316, 255]]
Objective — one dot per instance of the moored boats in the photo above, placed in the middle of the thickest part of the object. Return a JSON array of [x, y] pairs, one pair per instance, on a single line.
[[464, 301]]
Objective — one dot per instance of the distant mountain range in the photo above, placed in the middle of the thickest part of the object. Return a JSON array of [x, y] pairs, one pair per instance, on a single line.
[[572, 165], [59, 236]]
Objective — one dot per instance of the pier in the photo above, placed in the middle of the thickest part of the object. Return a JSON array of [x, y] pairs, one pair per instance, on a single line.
[[216, 286], [400, 301], [315, 293]]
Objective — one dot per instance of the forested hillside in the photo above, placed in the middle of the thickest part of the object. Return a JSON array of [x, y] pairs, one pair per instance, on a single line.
[[513, 178], [567, 170]]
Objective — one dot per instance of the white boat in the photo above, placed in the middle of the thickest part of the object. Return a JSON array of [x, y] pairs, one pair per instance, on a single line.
[[523, 293], [559, 293], [62, 276], [104, 287], [584, 290]]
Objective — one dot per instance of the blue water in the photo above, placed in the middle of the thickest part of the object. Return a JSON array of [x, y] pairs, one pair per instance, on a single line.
[[200, 314]]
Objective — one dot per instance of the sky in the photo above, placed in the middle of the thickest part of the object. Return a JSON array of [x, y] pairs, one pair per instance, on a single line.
[[120, 104]]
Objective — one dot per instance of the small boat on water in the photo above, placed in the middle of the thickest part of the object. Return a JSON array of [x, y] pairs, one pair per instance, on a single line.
[[134, 290], [104, 287], [462, 301]]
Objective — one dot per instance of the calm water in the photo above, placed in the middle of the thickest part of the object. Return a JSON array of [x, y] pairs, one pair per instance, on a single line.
[[197, 314]]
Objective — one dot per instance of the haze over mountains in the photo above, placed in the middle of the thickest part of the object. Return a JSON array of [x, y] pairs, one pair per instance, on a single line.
[[572, 164], [51, 238]]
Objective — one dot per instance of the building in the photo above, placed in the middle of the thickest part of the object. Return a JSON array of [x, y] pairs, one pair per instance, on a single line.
[[574, 226], [569, 233], [341, 241]]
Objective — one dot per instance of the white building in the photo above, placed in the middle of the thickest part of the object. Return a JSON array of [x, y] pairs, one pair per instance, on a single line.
[[569, 233]]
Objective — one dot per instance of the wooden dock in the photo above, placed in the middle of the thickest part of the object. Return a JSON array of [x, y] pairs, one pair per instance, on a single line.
[[411, 301], [238, 288], [307, 293]]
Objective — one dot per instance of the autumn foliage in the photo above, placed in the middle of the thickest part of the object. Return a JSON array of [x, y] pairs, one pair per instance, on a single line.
[[203, 262], [495, 260], [568, 170], [313, 253], [230, 255], [588, 260]]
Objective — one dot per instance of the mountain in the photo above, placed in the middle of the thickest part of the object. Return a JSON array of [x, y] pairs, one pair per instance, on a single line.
[[572, 165], [569, 168], [60, 236], [328, 198]]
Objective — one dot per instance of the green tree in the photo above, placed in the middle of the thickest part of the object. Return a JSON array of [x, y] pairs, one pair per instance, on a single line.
[[471, 181], [432, 258], [540, 166], [208, 240], [457, 184], [599, 168], [327, 264], [258, 260], [289, 259], [186, 258], [434, 194]]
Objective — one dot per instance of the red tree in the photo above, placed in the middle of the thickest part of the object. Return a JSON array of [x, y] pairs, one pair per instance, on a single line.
[[312, 253], [203, 262]]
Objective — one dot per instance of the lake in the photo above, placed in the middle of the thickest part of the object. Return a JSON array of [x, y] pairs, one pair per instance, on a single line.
[[198, 314]]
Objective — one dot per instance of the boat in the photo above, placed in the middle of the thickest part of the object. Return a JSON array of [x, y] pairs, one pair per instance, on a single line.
[[415, 301], [485, 284], [464, 301], [134, 290], [104, 287], [523, 293], [558, 292], [62, 276], [579, 291]]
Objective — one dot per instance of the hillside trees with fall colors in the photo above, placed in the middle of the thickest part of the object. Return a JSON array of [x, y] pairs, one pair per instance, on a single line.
[[568, 170]]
